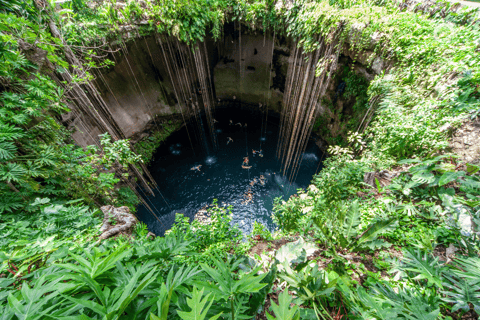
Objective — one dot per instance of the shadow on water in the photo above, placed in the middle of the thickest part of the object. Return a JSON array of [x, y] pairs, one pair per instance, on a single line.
[[221, 175]]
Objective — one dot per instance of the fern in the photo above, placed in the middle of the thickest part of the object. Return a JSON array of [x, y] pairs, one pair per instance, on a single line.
[[424, 266], [12, 172], [7, 150], [8, 133], [462, 293], [468, 268]]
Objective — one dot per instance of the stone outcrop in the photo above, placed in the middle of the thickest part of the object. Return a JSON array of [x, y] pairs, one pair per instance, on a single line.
[[383, 177], [465, 142], [117, 221]]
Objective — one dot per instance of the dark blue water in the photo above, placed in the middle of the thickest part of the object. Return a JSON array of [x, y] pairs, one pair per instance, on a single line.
[[221, 175]]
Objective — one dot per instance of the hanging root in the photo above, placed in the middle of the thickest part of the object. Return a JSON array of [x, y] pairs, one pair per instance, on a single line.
[[115, 221]]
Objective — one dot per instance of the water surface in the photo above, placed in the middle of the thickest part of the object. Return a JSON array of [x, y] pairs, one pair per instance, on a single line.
[[221, 175]]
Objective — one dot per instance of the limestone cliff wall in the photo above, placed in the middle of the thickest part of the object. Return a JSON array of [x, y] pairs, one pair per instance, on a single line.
[[139, 87]]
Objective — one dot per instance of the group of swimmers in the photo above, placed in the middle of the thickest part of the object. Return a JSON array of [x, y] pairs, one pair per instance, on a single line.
[[248, 197], [260, 180], [259, 152], [245, 159]]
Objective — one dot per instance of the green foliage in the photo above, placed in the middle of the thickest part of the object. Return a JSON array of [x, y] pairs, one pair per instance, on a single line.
[[217, 237], [283, 310], [51, 266], [126, 197], [383, 302], [233, 289], [310, 283], [423, 266], [147, 146], [462, 294], [199, 310], [339, 228], [262, 231]]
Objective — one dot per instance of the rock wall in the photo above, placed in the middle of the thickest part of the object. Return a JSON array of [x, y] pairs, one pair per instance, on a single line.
[[139, 87], [244, 71]]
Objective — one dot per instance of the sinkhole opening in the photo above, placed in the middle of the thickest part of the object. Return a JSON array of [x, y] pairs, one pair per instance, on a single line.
[[191, 171]]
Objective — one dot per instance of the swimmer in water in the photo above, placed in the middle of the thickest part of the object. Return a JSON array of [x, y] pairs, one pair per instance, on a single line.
[[260, 153], [239, 124], [248, 197], [215, 121], [262, 180], [231, 122], [245, 125], [229, 140], [196, 168], [253, 182], [245, 161]]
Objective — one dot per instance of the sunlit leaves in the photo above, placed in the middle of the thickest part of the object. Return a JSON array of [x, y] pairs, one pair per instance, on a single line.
[[199, 306], [282, 310], [424, 267]]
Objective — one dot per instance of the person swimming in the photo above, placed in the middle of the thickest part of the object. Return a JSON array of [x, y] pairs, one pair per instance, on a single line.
[[196, 168], [262, 180], [248, 197], [245, 161], [229, 140], [231, 122], [259, 152], [253, 182], [215, 121]]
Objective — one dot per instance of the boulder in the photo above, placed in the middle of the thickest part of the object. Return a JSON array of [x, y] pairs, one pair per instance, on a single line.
[[116, 221], [384, 178]]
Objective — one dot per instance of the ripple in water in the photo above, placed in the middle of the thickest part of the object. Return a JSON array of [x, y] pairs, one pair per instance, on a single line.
[[211, 160]]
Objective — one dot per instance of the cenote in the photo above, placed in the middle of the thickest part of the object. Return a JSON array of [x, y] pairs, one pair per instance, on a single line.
[[221, 176], [273, 91]]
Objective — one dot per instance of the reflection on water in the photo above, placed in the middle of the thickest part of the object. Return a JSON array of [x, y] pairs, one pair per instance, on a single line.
[[220, 174]]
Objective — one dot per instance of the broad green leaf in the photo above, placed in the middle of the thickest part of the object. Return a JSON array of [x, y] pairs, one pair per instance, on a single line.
[[376, 229], [199, 307], [448, 177], [282, 311]]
